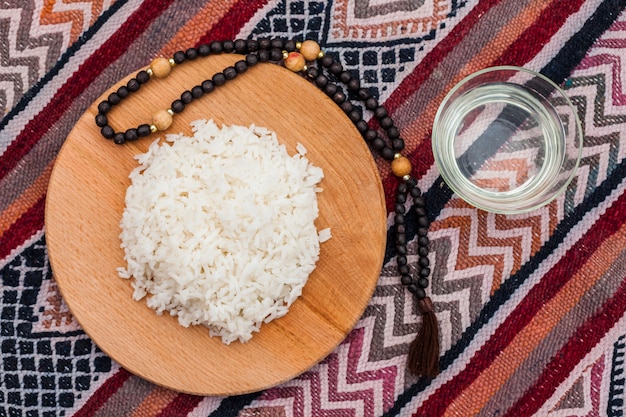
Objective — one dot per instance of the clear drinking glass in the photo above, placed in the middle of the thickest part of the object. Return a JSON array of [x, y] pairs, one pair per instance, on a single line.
[[507, 139]]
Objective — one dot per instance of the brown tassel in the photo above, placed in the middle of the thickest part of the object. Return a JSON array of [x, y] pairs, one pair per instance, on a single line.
[[424, 350]]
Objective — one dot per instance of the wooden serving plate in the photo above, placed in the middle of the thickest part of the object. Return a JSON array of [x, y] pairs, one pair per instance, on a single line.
[[86, 198]]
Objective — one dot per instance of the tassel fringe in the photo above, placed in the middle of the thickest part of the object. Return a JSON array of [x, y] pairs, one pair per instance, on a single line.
[[424, 350]]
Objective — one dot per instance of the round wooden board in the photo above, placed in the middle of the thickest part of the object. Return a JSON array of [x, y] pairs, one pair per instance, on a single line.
[[85, 201]]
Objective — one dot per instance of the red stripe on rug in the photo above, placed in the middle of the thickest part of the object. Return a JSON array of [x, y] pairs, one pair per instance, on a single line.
[[110, 51], [233, 21], [580, 344], [182, 405], [532, 41], [102, 394], [551, 283], [24, 227]]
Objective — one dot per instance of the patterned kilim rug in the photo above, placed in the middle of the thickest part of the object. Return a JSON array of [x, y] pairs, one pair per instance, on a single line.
[[531, 307]]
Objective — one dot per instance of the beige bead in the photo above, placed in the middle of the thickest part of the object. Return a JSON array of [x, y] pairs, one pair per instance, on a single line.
[[162, 119], [401, 166], [310, 50], [295, 62], [160, 67]]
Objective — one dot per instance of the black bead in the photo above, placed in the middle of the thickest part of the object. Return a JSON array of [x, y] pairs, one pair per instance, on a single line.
[[422, 231], [346, 106], [330, 89], [393, 132], [131, 135], [277, 43], [179, 57], [191, 54], [335, 68], [327, 61], [401, 250], [345, 77], [423, 262], [312, 72], [361, 126], [402, 188], [114, 99], [197, 92], [230, 73], [216, 47], [423, 222], [401, 198], [119, 138], [321, 81], [419, 293], [101, 120], [399, 218], [264, 43], [411, 182], [420, 211], [104, 107], [339, 98], [218, 79], [354, 115], [276, 54], [133, 85], [142, 77], [290, 45], [397, 144], [207, 86], [422, 283], [252, 59], [386, 122], [363, 94], [186, 97], [380, 112], [401, 260], [123, 91], [177, 106], [404, 270], [406, 279], [401, 239], [399, 208], [264, 55], [252, 45], [416, 193], [424, 273], [354, 84], [107, 132], [241, 46], [413, 288], [370, 135], [229, 46], [204, 50], [371, 103], [423, 241], [378, 143], [387, 153], [241, 67], [422, 251], [143, 130]]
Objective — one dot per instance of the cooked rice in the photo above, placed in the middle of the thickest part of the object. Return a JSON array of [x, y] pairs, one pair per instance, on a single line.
[[218, 228]]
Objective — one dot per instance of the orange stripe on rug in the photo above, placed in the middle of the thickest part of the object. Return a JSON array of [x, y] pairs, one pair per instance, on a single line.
[[26, 200], [157, 400], [198, 26], [526, 341], [74, 16]]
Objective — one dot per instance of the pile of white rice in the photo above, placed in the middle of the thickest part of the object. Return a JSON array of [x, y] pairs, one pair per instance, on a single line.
[[218, 228]]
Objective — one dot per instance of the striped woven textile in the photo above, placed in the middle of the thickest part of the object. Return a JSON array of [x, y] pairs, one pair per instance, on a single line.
[[531, 307]]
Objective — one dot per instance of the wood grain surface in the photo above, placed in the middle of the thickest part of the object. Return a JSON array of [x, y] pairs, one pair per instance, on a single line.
[[86, 198]]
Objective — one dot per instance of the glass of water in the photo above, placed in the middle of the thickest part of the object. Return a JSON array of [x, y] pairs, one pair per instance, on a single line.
[[507, 139]]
